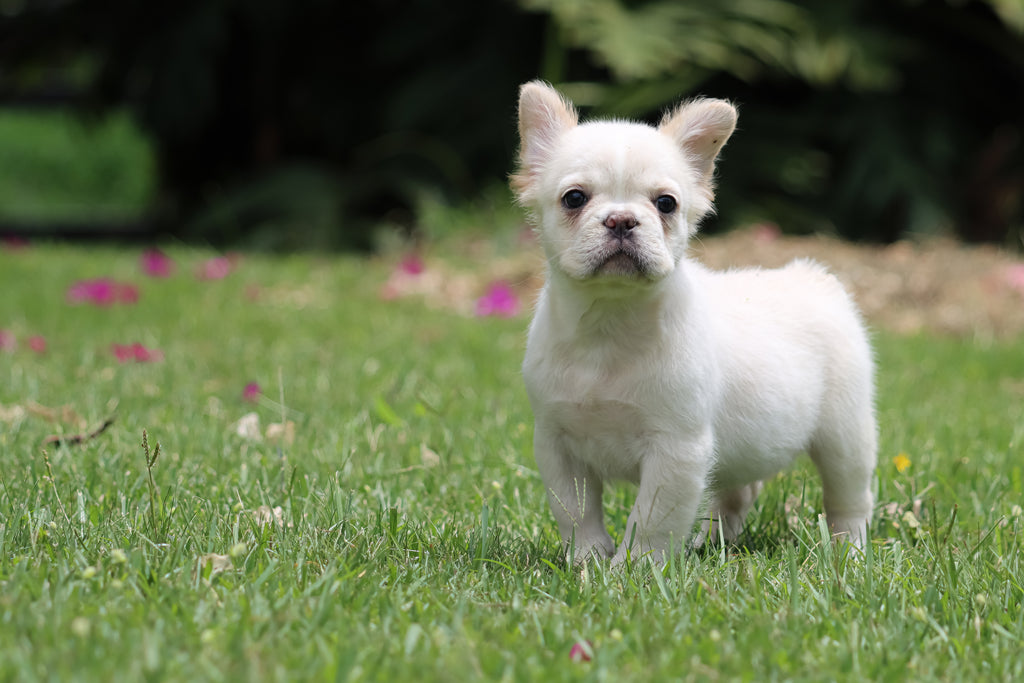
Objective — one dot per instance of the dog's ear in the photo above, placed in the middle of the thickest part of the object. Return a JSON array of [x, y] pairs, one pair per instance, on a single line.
[[543, 116], [701, 128]]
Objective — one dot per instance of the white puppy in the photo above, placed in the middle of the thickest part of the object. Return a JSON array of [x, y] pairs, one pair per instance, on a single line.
[[642, 365]]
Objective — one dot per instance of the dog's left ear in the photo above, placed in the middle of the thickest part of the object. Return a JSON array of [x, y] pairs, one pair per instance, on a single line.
[[701, 128]]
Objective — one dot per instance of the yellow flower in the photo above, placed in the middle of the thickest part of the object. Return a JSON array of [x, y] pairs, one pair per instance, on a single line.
[[902, 462]]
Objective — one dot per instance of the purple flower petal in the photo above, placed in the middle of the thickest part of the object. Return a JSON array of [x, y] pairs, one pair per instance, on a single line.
[[580, 652], [216, 268], [102, 292], [411, 265], [99, 292], [155, 263], [136, 352], [499, 300], [122, 352], [14, 242], [251, 393], [1014, 277]]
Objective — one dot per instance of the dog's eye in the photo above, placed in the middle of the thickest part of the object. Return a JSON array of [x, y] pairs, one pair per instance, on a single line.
[[574, 199], [665, 203]]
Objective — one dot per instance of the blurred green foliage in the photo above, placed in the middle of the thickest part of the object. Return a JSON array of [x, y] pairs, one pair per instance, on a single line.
[[876, 119], [309, 122], [56, 167]]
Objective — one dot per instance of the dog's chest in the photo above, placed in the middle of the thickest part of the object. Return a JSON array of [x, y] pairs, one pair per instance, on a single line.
[[601, 417], [608, 435]]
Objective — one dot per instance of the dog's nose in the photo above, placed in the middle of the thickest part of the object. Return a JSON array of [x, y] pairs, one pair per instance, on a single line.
[[620, 223]]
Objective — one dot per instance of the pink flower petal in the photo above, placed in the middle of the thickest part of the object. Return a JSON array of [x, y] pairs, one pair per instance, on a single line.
[[499, 300], [411, 265], [155, 263], [1014, 277], [216, 268], [8, 342], [102, 292], [251, 393], [126, 294], [14, 242], [37, 343], [766, 232], [122, 352], [99, 292], [144, 355], [136, 352], [580, 652]]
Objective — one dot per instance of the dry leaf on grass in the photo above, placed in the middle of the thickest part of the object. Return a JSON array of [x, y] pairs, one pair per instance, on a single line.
[[248, 427], [265, 515], [216, 564], [12, 414], [428, 457], [64, 414], [282, 433]]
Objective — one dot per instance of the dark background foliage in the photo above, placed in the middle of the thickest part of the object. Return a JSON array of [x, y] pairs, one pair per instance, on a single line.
[[300, 122]]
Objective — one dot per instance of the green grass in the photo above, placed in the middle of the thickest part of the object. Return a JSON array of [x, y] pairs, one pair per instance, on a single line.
[[56, 167], [416, 543]]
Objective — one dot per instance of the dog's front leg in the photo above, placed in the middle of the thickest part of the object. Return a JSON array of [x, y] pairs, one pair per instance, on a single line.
[[574, 493], [670, 493]]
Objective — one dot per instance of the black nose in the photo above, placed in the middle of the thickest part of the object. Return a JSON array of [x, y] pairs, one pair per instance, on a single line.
[[620, 223]]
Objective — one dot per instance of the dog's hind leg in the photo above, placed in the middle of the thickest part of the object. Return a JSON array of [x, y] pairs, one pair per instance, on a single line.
[[845, 453], [727, 513]]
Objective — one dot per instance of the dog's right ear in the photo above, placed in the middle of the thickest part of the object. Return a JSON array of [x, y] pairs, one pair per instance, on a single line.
[[543, 116]]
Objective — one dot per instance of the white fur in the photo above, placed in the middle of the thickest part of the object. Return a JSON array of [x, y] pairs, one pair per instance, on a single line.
[[647, 367]]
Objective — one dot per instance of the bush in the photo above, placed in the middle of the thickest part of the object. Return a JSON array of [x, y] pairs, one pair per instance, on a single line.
[[873, 118]]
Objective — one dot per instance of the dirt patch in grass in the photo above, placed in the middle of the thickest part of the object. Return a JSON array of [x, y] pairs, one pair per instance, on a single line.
[[936, 286]]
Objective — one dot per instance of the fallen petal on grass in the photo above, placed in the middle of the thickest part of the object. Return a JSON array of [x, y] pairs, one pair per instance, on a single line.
[[251, 393], [902, 462], [766, 232], [155, 263], [265, 515], [281, 433], [102, 292], [216, 268], [136, 352], [428, 456], [8, 342], [499, 301], [581, 651], [14, 242], [12, 414], [248, 427], [411, 265], [214, 563], [37, 343], [1013, 275]]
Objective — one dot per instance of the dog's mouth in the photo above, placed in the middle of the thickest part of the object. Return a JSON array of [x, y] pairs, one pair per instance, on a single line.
[[621, 260]]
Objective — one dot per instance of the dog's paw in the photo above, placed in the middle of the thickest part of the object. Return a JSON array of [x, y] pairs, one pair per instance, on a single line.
[[852, 530], [599, 549]]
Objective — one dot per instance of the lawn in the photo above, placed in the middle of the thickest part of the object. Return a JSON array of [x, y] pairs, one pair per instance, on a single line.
[[339, 485]]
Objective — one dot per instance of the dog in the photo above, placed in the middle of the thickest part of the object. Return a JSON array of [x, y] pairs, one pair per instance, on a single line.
[[642, 365]]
